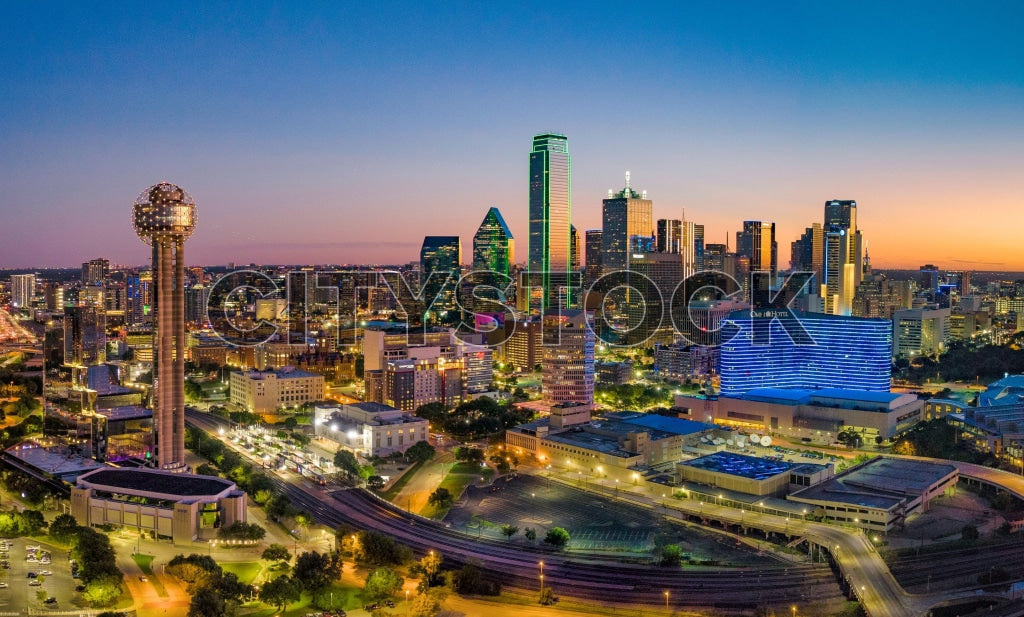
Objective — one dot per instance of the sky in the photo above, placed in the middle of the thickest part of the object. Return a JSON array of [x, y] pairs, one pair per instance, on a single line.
[[344, 132]]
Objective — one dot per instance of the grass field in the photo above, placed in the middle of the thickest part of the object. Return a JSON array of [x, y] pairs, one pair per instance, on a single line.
[[392, 491], [246, 571], [456, 482], [345, 597]]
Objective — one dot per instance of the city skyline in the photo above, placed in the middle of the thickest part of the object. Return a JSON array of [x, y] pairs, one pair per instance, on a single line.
[[758, 116]]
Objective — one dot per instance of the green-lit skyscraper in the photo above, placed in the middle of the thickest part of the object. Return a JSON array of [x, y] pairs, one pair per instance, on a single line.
[[550, 209], [493, 245]]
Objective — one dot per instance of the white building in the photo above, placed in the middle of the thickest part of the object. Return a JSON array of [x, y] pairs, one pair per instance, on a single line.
[[261, 392], [23, 289], [920, 332], [371, 429]]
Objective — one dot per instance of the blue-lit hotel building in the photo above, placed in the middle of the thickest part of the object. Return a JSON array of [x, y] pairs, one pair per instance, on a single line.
[[852, 353]]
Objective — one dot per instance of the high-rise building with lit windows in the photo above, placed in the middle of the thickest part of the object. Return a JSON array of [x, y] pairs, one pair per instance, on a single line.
[[837, 352], [593, 240], [550, 215], [493, 245], [440, 259], [567, 374], [23, 289]]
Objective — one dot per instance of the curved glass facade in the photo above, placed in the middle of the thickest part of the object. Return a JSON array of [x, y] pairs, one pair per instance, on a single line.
[[844, 352]]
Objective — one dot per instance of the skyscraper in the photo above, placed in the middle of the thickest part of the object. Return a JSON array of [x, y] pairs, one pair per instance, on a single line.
[[626, 217], [842, 215], [164, 216], [440, 265], [493, 245], [568, 365], [85, 340], [593, 255], [575, 244], [757, 243], [94, 271], [838, 277], [669, 234], [550, 214], [23, 289]]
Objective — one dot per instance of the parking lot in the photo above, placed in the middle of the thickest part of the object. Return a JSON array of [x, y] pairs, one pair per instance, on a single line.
[[20, 593]]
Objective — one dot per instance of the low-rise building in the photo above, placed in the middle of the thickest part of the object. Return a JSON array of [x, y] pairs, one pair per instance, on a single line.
[[264, 392], [879, 494], [182, 507], [371, 429], [810, 415], [751, 475]]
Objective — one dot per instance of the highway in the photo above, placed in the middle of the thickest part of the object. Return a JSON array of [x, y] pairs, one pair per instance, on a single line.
[[590, 578]]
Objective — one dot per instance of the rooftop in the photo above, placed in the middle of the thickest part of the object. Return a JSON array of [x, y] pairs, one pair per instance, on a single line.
[[154, 481], [283, 373], [675, 426], [1007, 391], [750, 467], [369, 407], [879, 483], [52, 461], [605, 444], [125, 412]]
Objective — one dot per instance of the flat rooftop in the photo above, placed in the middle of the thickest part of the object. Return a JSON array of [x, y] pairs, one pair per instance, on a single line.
[[750, 467], [125, 412], [667, 424], [53, 461], [591, 441], [153, 481], [879, 483]]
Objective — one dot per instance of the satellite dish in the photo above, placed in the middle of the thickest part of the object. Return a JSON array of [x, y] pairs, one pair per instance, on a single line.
[[766, 441], [728, 442], [755, 438]]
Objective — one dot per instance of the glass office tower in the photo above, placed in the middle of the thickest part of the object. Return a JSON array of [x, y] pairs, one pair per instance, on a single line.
[[550, 208]]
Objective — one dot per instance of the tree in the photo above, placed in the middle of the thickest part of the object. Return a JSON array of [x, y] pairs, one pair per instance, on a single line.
[[193, 391], [441, 498], [473, 456], [103, 590], [969, 532], [428, 603], [375, 482], [419, 452], [347, 463], [430, 566], [281, 591], [315, 571], [206, 470], [381, 550], [290, 423], [241, 531], [671, 555], [207, 602], [547, 596], [530, 533], [557, 536], [501, 464], [382, 583], [63, 528], [509, 530], [276, 552]]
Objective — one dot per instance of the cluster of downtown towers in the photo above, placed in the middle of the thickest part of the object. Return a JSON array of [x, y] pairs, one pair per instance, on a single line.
[[666, 251]]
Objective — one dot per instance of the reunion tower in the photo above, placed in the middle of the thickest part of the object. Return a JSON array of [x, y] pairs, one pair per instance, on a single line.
[[164, 216]]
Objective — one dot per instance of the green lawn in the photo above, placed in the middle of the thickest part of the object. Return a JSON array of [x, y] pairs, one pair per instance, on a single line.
[[246, 571], [145, 563], [456, 483], [391, 492], [345, 597]]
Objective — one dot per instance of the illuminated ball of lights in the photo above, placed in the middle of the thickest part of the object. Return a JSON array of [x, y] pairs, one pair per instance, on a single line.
[[164, 211]]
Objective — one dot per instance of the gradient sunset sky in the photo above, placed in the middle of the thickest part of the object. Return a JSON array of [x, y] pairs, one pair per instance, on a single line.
[[345, 132]]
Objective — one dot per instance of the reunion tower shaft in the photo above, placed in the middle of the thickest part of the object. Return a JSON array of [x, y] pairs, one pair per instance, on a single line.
[[164, 216]]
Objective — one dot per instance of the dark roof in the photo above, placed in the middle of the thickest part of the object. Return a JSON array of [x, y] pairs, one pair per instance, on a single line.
[[181, 484]]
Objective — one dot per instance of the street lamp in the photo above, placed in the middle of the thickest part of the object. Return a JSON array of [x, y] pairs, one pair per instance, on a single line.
[[793, 608], [666, 599]]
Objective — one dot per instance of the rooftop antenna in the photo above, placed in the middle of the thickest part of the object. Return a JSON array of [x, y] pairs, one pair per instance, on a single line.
[[627, 181]]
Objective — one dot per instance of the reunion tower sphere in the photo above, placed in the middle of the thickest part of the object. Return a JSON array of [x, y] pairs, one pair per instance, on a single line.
[[162, 212]]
